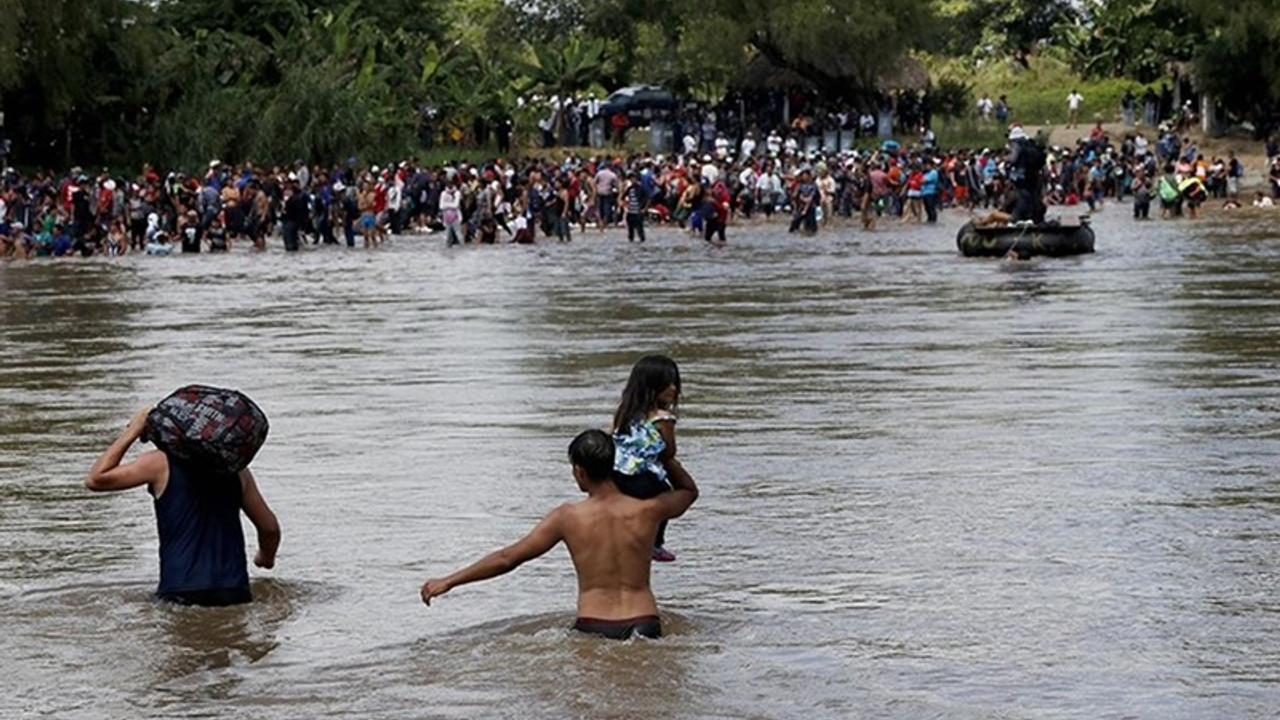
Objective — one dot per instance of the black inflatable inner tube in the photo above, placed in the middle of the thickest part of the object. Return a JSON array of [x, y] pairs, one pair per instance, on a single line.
[[1025, 240]]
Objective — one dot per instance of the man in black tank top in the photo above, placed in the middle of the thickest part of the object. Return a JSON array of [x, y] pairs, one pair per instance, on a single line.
[[202, 554]]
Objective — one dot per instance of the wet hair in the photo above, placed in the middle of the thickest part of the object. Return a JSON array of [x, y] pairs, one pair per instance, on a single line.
[[651, 375], [593, 451]]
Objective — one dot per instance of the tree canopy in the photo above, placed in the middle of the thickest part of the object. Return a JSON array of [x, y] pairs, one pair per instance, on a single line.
[[180, 81], [1238, 59]]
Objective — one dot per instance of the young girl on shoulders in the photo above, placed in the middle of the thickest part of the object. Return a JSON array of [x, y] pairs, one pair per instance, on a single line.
[[644, 433]]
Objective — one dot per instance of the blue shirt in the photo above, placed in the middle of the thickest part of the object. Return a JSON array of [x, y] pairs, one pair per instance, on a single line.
[[638, 448], [930, 186], [62, 245], [646, 179]]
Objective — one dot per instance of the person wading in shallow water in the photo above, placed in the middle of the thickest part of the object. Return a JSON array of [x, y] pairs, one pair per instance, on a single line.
[[202, 557], [610, 540]]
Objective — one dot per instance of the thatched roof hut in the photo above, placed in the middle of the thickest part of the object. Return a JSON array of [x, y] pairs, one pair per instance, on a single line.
[[760, 74], [908, 75]]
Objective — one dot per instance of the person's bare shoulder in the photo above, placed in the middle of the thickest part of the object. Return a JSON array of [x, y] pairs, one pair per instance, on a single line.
[[571, 514]]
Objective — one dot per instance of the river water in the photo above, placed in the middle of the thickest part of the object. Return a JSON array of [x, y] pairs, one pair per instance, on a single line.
[[932, 487]]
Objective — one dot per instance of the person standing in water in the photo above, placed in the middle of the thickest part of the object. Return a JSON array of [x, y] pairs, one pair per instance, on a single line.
[[635, 201], [644, 431], [202, 554], [610, 541], [805, 201]]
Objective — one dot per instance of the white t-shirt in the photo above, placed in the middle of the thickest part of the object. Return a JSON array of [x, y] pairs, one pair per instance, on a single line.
[[748, 147], [1074, 100], [450, 199], [690, 144]]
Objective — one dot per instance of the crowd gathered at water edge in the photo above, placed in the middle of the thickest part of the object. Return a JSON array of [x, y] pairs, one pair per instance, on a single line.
[[709, 183]]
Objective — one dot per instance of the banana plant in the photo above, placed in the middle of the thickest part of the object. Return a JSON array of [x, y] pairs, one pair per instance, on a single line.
[[564, 72]]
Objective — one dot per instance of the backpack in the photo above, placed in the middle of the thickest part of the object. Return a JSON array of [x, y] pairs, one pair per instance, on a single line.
[[219, 429], [1031, 157]]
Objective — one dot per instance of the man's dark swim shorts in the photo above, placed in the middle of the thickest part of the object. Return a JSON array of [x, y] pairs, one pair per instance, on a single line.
[[648, 626]]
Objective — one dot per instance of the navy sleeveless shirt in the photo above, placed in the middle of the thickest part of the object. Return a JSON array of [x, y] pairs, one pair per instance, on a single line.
[[202, 552]]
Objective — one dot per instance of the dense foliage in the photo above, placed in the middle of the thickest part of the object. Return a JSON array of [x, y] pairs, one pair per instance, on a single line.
[[182, 81], [1238, 60]]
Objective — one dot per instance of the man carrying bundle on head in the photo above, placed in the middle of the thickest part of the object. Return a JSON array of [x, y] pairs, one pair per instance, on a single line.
[[200, 480]]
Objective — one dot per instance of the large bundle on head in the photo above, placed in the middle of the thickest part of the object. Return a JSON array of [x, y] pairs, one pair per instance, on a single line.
[[219, 429]]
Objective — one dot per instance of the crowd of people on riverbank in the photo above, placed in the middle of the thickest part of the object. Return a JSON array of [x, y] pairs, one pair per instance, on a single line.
[[230, 206]]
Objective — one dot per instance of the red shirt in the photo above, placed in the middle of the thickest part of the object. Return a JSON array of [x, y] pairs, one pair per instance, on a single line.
[[720, 192]]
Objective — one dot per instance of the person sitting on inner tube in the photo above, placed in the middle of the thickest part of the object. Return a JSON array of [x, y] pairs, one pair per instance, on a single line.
[[1026, 164]]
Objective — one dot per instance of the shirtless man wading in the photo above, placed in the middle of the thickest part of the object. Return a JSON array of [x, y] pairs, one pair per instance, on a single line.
[[610, 539]]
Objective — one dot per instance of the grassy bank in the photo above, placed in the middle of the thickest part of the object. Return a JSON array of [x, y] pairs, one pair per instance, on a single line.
[[1038, 95]]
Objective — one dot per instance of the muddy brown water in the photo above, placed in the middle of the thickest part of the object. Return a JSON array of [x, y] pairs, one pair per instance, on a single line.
[[933, 487]]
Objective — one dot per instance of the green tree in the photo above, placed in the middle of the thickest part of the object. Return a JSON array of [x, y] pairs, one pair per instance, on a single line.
[[1136, 39], [1012, 28], [1238, 62], [840, 45], [259, 18], [321, 89], [69, 73], [564, 72]]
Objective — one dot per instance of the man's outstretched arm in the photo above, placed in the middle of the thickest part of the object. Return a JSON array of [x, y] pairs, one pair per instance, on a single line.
[[542, 538]]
